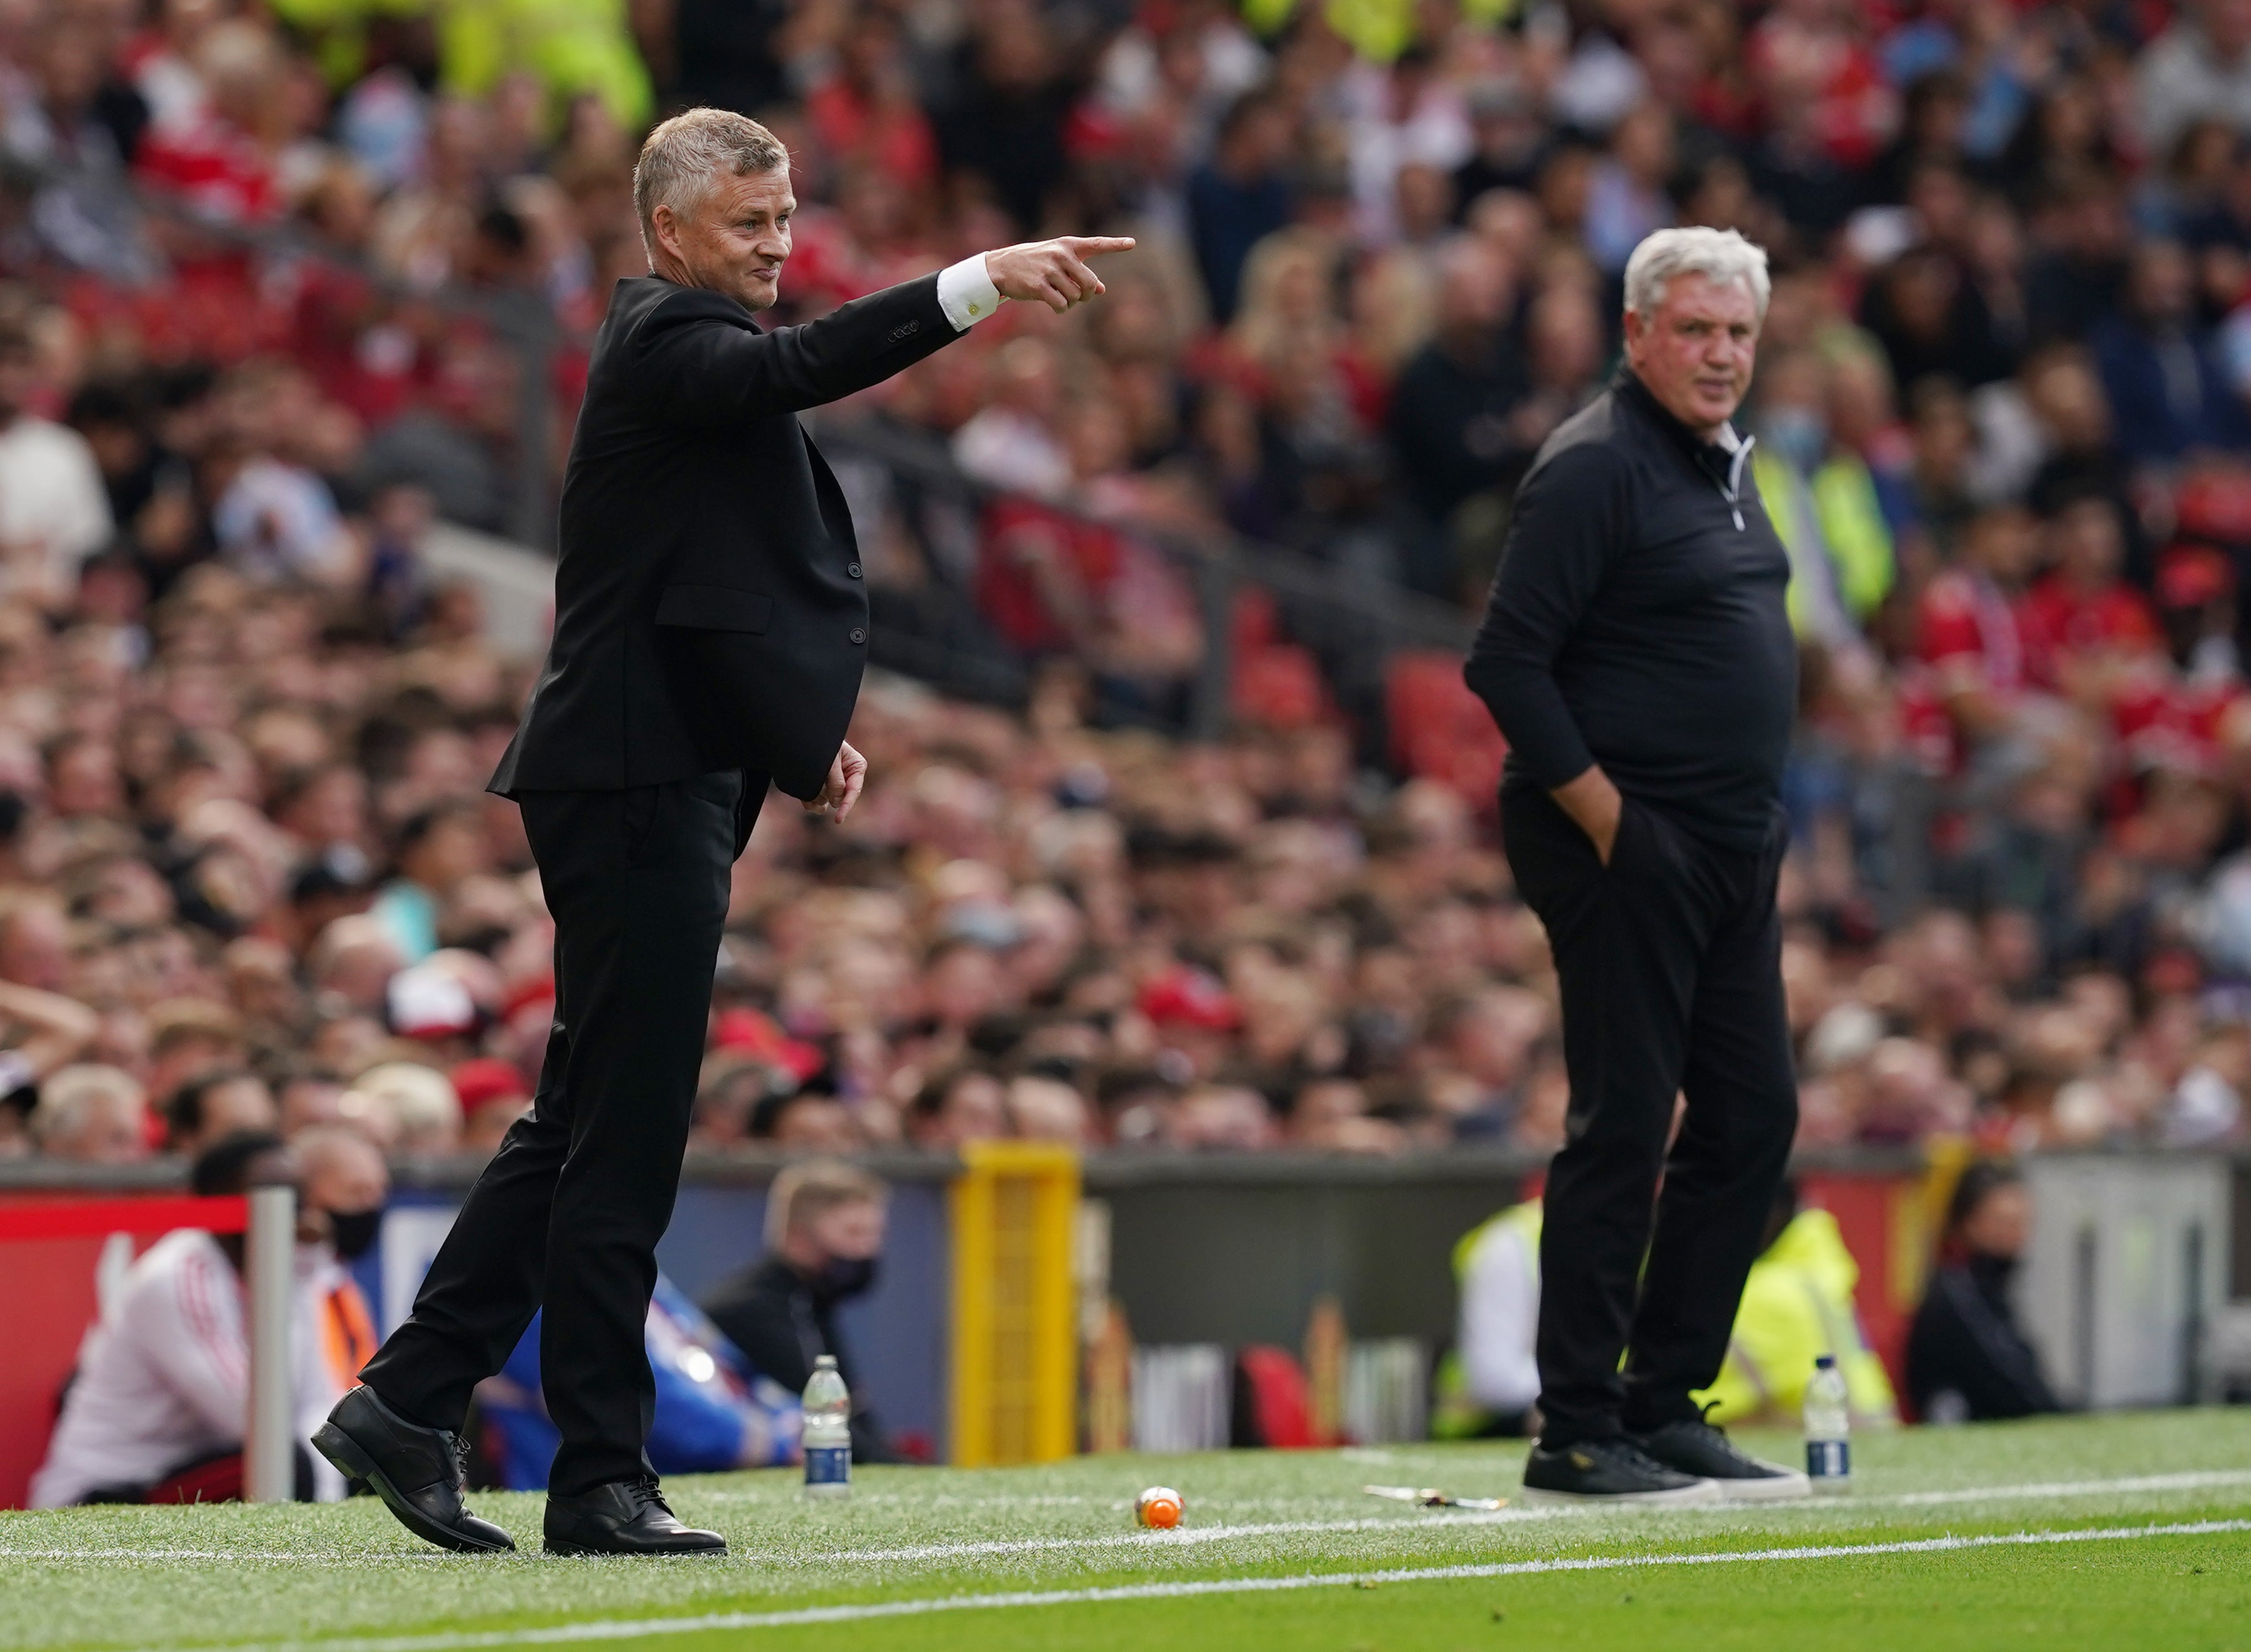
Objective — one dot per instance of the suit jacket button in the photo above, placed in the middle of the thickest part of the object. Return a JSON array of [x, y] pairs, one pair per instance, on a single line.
[[853, 568], [858, 634]]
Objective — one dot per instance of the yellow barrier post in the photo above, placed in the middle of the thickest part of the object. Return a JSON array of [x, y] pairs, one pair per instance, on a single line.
[[1016, 1313]]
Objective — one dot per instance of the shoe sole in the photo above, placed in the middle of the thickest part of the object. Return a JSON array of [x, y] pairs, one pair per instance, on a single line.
[[353, 1463], [552, 1546], [1691, 1497], [1775, 1488]]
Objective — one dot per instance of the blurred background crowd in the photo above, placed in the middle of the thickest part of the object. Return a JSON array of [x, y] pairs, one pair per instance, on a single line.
[[287, 284]]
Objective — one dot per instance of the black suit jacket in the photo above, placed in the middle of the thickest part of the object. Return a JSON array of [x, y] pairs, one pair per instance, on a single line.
[[709, 611]]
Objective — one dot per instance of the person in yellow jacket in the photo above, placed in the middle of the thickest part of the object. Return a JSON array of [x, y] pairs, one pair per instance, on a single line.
[[1797, 1306], [574, 46], [1822, 500]]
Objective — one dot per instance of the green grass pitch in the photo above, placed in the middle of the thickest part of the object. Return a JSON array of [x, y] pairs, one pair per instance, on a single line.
[[2122, 1532]]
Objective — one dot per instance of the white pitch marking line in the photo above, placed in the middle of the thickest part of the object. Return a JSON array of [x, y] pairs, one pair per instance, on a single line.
[[626, 1629], [1189, 1536], [1194, 1537]]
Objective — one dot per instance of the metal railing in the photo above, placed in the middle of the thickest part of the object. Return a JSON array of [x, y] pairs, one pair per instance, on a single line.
[[1351, 625]]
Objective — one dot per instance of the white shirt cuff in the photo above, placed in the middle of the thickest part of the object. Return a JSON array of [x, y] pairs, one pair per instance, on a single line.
[[966, 293]]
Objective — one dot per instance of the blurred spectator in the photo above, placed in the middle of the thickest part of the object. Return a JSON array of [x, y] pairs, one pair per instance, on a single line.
[[1822, 503], [54, 510], [44, 1030], [405, 1107], [712, 1412], [1490, 1384], [342, 1186], [1241, 196], [1966, 1359], [493, 1096], [2199, 66], [2166, 384], [824, 1236], [156, 1410], [91, 1115], [1510, 141], [1455, 428], [1798, 1306], [805, 1121], [966, 1105], [207, 1109]]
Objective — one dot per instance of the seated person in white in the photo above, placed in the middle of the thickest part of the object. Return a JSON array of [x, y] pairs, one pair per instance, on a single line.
[[158, 1410]]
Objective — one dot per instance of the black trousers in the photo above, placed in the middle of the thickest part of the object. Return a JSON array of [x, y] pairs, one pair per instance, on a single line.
[[1670, 961], [568, 1213]]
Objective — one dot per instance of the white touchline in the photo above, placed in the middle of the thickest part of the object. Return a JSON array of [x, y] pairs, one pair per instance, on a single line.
[[1194, 1537], [622, 1629], [1191, 1536]]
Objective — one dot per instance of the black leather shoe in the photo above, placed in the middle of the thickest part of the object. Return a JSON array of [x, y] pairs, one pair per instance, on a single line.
[[1610, 1471], [626, 1516], [1695, 1447], [416, 1471]]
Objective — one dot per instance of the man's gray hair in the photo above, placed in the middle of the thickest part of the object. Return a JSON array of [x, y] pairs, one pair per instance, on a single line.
[[1719, 256], [683, 154], [69, 1096]]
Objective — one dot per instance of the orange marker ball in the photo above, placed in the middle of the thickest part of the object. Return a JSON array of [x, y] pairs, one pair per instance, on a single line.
[[1158, 1508]]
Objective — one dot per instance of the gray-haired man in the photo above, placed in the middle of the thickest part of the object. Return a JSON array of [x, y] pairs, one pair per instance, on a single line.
[[710, 626], [1637, 654]]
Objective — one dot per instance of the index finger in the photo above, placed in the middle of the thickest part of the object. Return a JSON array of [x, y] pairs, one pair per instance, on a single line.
[[1090, 245]]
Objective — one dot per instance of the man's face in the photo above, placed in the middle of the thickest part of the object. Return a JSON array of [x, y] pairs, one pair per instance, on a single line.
[[2001, 1224], [2087, 542], [734, 241], [348, 1179], [848, 1232], [1695, 351], [111, 1135], [19, 376], [241, 1104]]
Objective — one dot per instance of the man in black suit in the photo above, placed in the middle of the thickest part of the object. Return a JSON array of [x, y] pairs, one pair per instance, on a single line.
[[711, 627]]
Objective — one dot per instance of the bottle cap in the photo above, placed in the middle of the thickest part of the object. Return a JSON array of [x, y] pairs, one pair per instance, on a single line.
[[826, 1362], [1821, 1362]]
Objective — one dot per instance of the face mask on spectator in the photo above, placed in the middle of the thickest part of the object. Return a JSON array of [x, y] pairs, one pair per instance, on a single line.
[[842, 1276], [1800, 436], [354, 1232]]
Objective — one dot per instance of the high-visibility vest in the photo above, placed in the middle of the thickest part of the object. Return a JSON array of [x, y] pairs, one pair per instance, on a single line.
[[1454, 1415], [1833, 514], [1797, 1306]]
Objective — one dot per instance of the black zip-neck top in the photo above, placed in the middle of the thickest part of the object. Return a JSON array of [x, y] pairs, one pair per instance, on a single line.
[[1638, 621]]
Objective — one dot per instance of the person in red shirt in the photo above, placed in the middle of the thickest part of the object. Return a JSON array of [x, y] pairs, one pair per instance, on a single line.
[[2081, 622], [867, 109], [1970, 646]]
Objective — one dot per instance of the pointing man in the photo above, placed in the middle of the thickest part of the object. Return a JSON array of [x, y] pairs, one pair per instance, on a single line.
[[711, 623]]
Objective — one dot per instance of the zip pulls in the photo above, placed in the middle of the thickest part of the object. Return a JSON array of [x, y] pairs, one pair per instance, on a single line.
[[1732, 489]]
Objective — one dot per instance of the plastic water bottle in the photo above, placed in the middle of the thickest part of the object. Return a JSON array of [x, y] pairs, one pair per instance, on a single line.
[[1828, 1428], [828, 1435]]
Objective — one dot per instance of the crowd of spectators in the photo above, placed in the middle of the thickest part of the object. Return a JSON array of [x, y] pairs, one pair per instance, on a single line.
[[247, 877]]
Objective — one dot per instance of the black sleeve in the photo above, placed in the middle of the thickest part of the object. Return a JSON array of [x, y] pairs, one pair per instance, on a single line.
[[758, 1321], [1573, 515], [1959, 1344], [693, 362], [870, 1442]]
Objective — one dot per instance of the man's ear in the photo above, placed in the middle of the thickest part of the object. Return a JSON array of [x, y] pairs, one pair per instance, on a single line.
[[666, 223]]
